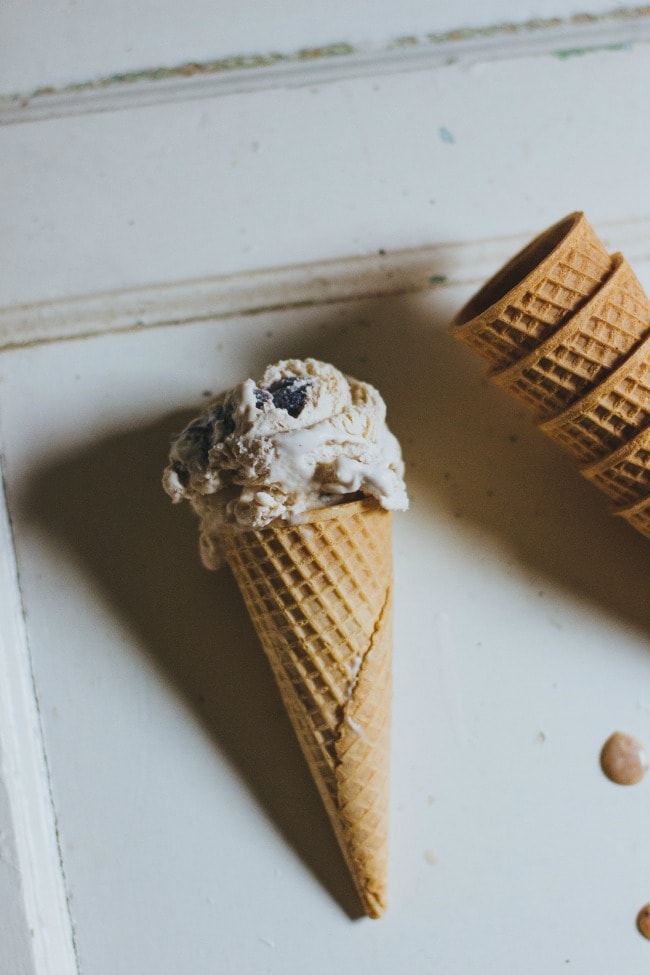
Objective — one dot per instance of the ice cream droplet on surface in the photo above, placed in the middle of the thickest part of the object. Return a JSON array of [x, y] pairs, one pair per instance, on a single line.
[[643, 921], [624, 761]]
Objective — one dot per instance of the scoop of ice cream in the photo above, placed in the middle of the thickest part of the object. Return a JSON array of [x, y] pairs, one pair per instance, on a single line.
[[302, 437]]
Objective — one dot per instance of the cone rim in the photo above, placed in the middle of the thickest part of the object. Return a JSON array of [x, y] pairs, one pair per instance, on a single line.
[[504, 375], [600, 466], [506, 279], [636, 507], [345, 509], [341, 510], [591, 398]]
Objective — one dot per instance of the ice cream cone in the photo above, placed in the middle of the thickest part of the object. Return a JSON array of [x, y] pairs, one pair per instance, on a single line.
[[320, 596], [624, 475], [535, 292], [609, 415], [637, 514], [579, 354]]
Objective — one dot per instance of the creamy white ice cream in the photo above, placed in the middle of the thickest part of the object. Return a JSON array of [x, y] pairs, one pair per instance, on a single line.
[[303, 437]]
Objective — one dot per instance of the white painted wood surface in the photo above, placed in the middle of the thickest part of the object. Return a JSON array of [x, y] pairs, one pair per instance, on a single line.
[[35, 933], [178, 232], [280, 177], [191, 836]]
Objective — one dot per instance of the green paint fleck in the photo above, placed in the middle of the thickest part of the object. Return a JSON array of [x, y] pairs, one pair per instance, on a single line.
[[572, 52], [577, 52], [437, 279]]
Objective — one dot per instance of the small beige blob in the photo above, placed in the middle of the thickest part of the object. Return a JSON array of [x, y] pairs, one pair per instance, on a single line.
[[643, 921], [623, 759]]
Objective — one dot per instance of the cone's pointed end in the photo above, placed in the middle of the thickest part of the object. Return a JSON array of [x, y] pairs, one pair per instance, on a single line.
[[374, 905]]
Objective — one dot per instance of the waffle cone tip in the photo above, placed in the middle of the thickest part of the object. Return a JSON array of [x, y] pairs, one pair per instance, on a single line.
[[374, 903]]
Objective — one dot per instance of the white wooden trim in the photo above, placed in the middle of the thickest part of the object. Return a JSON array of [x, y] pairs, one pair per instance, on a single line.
[[39, 876], [563, 37], [326, 282]]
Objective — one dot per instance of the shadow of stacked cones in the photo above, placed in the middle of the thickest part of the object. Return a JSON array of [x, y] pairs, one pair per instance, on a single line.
[[566, 329]]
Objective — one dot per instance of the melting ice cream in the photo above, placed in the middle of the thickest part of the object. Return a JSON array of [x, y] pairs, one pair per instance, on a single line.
[[302, 437]]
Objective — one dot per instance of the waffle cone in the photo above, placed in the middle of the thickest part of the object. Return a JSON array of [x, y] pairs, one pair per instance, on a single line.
[[624, 476], [535, 292], [320, 597], [583, 351], [637, 515], [609, 415]]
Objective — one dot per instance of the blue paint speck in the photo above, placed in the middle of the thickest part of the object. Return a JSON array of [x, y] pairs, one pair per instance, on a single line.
[[445, 134]]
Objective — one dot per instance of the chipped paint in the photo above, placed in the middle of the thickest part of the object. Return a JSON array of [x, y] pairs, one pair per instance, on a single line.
[[408, 45], [243, 62], [539, 24]]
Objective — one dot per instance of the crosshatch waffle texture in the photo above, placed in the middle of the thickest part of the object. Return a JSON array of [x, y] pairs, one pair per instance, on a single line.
[[320, 596], [624, 476], [637, 515], [608, 416], [587, 377], [585, 349], [535, 292]]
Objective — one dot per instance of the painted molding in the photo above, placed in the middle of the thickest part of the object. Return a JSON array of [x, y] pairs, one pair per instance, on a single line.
[[577, 35], [39, 884], [328, 282]]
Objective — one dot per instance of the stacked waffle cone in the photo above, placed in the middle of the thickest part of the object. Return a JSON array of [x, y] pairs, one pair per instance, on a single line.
[[565, 327], [319, 594]]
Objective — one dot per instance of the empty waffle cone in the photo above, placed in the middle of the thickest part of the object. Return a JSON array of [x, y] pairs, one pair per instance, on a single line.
[[609, 415], [320, 597], [637, 515], [535, 292], [583, 351], [624, 476]]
